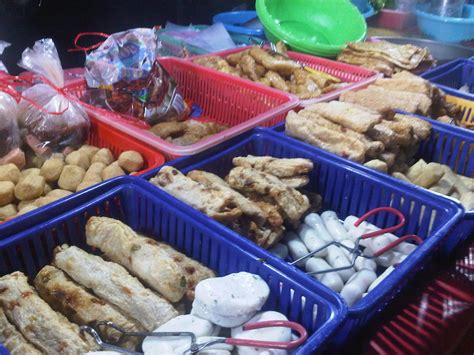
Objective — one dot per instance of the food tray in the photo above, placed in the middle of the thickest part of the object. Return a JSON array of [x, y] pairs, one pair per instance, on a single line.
[[448, 145], [138, 204], [360, 77], [346, 189], [239, 104], [103, 136], [467, 107], [451, 76]]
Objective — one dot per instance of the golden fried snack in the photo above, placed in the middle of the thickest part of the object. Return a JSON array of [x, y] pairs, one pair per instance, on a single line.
[[276, 81], [214, 181], [30, 187], [347, 115], [89, 150], [103, 155], [7, 192], [71, 177], [215, 203], [10, 172], [307, 130], [51, 169], [291, 202], [421, 128], [275, 63], [13, 340], [46, 329], [79, 159], [285, 168], [377, 165], [8, 211], [249, 67], [80, 306], [113, 170], [374, 147], [169, 129], [130, 161], [139, 255]]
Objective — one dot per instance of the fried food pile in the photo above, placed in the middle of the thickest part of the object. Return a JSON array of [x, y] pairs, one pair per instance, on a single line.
[[186, 132], [387, 57], [440, 178], [404, 91], [275, 70], [45, 181], [381, 140], [80, 288], [258, 197]]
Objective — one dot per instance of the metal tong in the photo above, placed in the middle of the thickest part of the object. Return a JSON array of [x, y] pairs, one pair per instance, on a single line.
[[195, 347], [357, 251]]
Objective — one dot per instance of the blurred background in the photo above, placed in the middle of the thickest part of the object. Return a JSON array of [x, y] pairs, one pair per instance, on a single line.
[[24, 21]]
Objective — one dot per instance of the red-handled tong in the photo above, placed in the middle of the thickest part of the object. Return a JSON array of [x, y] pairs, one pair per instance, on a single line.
[[195, 347]]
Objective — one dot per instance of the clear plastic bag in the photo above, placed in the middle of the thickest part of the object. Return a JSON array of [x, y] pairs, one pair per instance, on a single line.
[[49, 121], [123, 76], [3, 45], [10, 151]]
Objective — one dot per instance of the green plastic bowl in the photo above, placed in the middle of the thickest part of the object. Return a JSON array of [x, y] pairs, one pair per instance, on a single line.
[[321, 27]]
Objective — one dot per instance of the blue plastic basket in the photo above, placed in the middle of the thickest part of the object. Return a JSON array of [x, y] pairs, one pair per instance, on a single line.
[[451, 76], [448, 145], [139, 204], [346, 189], [235, 21]]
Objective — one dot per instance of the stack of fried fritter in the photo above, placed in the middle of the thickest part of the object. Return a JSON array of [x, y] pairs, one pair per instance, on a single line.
[[382, 140], [275, 70], [440, 178], [256, 199], [186, 132], [406, 92], [386, 57]]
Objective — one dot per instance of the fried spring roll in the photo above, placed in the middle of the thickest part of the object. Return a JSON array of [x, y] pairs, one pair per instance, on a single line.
[[114, 284], [193, 270], [12, 339], [140, 256], [49, 331], [81, 307]]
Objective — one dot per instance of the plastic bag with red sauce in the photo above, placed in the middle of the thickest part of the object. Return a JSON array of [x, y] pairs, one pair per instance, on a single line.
[[124, 76]]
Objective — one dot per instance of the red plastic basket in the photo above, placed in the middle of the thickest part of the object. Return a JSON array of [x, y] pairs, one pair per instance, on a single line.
[[104, 136], [358, 76], [241, 105]]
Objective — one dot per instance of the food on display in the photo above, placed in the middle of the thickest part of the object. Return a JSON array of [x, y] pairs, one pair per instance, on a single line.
[[47, 330], [78, 304], [358, 133], [274, 69], [259, 198], [386, 57], [49, 121], [135, 85], [89, 290], [113, 283], [13, 340], [59, 176], [440, 178], [186, 132], [406, 92], [352, 282]]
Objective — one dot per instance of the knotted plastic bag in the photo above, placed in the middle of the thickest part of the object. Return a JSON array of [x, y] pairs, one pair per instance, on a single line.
[[123, 76], [49, 120]]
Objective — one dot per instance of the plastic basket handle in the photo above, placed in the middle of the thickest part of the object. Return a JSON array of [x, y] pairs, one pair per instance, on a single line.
[[86, 49], [373, 234]]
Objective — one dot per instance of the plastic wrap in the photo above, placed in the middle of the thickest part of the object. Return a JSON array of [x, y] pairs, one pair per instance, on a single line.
[[3, 45], [49, 120], [10, 151], [123, 75]]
